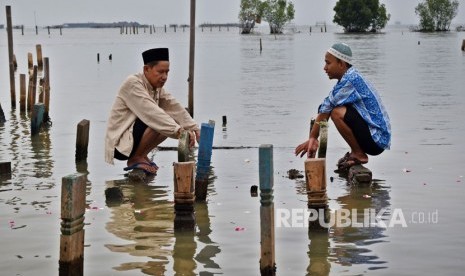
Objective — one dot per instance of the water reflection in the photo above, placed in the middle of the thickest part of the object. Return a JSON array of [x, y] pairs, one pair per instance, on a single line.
[[349, 245], [352, 243], [145, 217]]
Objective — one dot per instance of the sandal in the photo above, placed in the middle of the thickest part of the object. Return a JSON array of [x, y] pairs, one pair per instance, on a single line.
[[343, 159], [349, 162]]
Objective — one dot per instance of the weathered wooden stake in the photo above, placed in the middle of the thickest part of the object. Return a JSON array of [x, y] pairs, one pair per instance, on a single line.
[[40, 63], [48, 30], [203, 161], [184, 196], [22, 29], [267, 232], [5, 168], [33, 86], [191, 60], [225, 120], [184, 151], [98, 57], [37, 30], [30, 63], [46, 89], [10, 56], [73, 202], [82, 140], [315, 175], [22, 92], [261, 47], [37, 118], [463, 45], [323, 139]]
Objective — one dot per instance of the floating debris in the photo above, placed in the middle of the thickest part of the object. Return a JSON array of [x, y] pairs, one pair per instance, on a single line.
[[294, 174]]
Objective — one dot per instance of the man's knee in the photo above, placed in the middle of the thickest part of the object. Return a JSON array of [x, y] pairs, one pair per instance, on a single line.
[[338, 113]]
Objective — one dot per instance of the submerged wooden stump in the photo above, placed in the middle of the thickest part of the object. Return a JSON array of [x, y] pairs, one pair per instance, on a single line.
[[359, 174]]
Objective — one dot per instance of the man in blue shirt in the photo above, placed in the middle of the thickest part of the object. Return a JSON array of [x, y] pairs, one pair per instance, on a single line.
[[356, 109]]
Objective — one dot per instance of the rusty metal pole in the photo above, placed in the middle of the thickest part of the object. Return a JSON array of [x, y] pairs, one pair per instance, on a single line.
[[191, 60]]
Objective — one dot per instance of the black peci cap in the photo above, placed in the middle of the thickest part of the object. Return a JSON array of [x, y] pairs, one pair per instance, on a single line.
[[155, 54]]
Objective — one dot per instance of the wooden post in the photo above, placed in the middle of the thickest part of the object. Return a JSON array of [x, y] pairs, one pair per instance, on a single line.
[[10, 56], [22, 29], [40, 64], [323, 139], [46, 89], [225, 120], [315, 176], [61, 31], [191, 59], [261, 47], [30, 64], [165, 28], [463, 45], [184, 151], [37, 30], [22, 92], [184, 196], [203, 161], [48, 30], [73, 203], [37, 118], [98, 57], [267, 232], [82, 140], [5, 168], [33, 86]]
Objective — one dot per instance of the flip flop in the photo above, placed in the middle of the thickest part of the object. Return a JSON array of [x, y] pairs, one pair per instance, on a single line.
[[349, 162], [343, 159], [138, 166]]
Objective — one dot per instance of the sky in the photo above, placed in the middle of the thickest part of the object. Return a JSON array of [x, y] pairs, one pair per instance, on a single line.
[[160, 12]]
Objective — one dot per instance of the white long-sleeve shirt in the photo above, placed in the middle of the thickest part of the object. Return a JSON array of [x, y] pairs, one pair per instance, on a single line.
[[158, 109]]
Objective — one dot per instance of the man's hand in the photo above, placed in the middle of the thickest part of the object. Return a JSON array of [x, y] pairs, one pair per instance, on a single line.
[[192, 138], [310, 147]]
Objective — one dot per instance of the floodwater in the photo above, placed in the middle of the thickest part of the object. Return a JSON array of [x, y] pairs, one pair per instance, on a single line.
[[268, 98]]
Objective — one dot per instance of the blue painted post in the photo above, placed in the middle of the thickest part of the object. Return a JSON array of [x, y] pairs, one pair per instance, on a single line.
[[37, 118], [204, 160], [267, 243], [265, 158]]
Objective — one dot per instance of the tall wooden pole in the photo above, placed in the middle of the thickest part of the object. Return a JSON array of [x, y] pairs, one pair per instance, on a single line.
[[191, 60], [10, 56]]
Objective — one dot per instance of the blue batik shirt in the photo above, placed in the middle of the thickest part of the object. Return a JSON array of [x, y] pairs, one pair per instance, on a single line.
[[354, 90]]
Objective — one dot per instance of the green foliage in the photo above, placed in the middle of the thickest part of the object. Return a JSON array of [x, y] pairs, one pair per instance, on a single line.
[[436, 15], [251, 11], [361, 15], [276, 12]]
